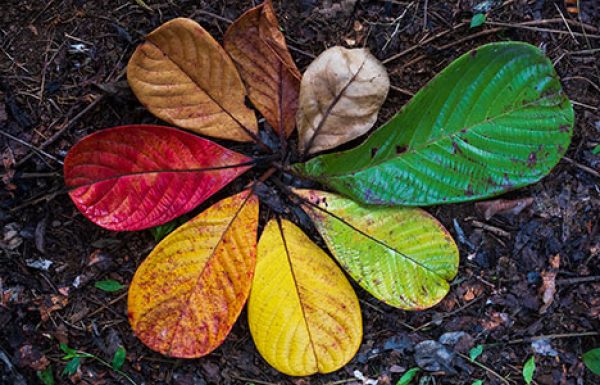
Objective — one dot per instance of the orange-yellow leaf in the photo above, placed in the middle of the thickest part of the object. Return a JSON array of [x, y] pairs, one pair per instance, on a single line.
[[183, 76], [188, 293], [303, 314], [258, 48]]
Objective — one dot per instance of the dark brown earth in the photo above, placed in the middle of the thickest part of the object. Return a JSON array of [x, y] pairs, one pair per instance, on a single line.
[[61, 78]]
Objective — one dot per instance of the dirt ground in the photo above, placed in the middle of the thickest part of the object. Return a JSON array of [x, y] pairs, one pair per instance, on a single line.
[[62, 68]]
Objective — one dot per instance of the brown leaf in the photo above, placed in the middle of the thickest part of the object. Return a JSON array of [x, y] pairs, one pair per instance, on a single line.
[[50, 303], [503, 206], [183, 76], [341, 93], [548, 288], [258, 48]]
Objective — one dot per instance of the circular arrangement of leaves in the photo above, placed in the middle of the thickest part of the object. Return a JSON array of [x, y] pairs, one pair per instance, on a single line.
[[494, 120]]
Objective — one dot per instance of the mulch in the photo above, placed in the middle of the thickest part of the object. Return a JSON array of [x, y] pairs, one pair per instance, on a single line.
[[62, 66]]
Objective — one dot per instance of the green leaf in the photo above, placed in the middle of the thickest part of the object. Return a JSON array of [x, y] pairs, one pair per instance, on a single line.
[[591, 359], [402, 256], [528, 370], [477, 382], [475, 352], [596, 150], [70, 352], [494, 120], [109, 285], [408, 376], [159, 232], [119, 358], [46, 376], [72, 366], [477, 20]]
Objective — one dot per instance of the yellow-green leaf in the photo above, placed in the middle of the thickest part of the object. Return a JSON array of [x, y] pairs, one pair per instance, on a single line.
[[303, 314], [403, 256], [186, 296]]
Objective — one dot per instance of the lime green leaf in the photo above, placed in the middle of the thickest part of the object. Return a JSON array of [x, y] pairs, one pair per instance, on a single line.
[[109, 285], [402, 256], [408, 376], [528, 370], [596, 150], [477, 382], [46, 376], [72, 366], [70, 352], [475, 352], [477, 20], [591, 359], [494, 120], [119, 358]]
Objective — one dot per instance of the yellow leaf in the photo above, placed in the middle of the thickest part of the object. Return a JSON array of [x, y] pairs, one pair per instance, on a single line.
[[183, 76], [303, 314], [341, 93], [186, 296]]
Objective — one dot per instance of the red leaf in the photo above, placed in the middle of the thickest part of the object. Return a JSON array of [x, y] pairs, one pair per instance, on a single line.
[[140, 176]]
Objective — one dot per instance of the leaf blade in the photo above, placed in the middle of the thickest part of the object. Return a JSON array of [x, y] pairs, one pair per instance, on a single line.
[[109, 285], [119, 358], [341, 93], [260, 53], [303, 314], [183, 76], [408, 376], [140, 176], [188, 293], [455, 141], [529, 370], [402, 256], [591, 359]]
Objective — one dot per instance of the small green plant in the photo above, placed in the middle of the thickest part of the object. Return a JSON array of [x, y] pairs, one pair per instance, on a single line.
[[529, 370], [475, 352], [494, 120], [408, 376], [46, 376], [591, 359], [477, 20], [109, 285], [74, 357]]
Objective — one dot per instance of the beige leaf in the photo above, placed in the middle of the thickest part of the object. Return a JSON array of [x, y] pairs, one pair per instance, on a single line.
[[183, 76], [340, 95]]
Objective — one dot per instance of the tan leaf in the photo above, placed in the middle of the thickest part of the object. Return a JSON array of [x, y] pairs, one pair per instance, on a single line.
[[258, 48], [183, 76], [340, 95]]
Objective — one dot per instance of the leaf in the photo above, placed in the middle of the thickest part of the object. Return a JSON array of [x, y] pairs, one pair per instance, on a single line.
[[477, 382], [188, 293], [341, 93], [72, 366], [408, 376], [46, 376], [184, 77], [119, 358], [475, 352], [528, 370], [135, 177], [494, 120], [402, 256], [159, 232], [109, 285], [591, 359], [70, 352], [258, 48], [477, 20], [303, 314], [596, 150]]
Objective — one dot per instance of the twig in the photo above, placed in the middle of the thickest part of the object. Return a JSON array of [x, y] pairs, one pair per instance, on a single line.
[[566, 23], [448, 314], [402, 90], [571, 281], [252, 380], [489, 370], [538, 29], [582, 167], [31, 146]]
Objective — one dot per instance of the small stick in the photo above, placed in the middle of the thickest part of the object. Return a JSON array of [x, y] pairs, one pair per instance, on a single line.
[[582, 167], [31, 146], [489, 370]]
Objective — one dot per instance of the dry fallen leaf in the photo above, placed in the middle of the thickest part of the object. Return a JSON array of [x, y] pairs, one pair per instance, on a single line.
[[340, 95], [503, 206], [548, 288], [183, 76], [258, 48]]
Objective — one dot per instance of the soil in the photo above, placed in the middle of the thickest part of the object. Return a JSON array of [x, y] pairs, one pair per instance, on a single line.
[[62, 68]]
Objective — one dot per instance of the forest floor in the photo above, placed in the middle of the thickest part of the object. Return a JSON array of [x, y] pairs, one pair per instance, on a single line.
[[62, 66]]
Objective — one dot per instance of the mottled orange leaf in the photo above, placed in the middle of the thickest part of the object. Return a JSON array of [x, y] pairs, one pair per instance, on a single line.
[[183, 76], [258, 48], [186, 296]]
